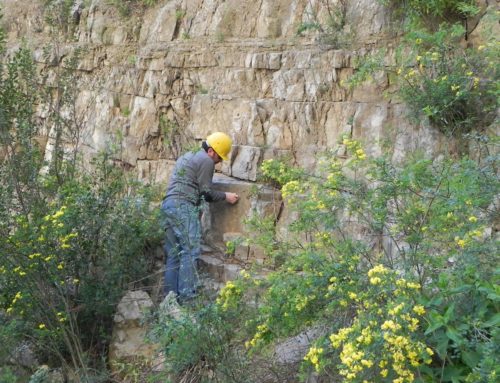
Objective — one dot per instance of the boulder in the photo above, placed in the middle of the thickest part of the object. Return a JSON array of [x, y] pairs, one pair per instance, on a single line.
[[128, 341]]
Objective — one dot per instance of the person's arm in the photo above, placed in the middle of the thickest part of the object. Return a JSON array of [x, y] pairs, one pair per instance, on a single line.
[[205, 174], [205, 181]]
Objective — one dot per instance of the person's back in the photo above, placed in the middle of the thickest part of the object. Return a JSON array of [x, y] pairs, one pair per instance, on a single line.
[[192, 179]]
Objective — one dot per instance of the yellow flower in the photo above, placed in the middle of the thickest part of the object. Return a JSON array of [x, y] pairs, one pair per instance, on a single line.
[[360, 154], [414, 324], [313, 356], [419, 309], [481, 47], [413, 285], [472, 219], [42, 326], [389, 325], [460, 242], [366, 363], [418, 41], [379, 269], [375, 280], [244, 274]]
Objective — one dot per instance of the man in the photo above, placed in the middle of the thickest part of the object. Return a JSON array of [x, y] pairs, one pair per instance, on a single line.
[[191, 185]]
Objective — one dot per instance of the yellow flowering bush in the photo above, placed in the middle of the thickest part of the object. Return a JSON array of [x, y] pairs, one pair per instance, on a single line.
[[394, 316], [382, 341], [229, 296], [452, 86]]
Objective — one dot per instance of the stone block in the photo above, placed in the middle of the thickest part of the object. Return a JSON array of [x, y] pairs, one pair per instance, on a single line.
[[129, 334], [225, 218], [256, 254], [159, 24], [212, 266], [271, 61], [133, 307], [231, 272], [241, 253], [245, 163], [155, 172], [143, 119]]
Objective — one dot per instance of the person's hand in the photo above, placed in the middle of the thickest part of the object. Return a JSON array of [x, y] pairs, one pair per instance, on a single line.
[[232, 198]]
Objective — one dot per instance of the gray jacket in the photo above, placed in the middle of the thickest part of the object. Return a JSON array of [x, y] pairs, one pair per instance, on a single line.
[[192, 179]]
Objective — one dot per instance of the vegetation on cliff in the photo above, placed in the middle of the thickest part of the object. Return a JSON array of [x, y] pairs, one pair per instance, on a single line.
[[73, 236], [393, 267]]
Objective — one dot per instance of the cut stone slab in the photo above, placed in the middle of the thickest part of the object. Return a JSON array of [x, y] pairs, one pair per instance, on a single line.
[[212, 266], [129, 334], [231, 272], [225, 218]]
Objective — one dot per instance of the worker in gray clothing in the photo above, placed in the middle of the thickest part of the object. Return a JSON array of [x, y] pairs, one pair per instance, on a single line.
[[190, 185]]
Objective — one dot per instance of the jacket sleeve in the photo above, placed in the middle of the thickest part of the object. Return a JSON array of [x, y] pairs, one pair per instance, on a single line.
[[205, 174]]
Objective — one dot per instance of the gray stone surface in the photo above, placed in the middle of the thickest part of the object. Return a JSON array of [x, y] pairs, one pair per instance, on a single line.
[[129, 333]]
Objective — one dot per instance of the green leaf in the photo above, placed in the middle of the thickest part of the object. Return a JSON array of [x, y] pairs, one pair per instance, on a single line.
[[452, 374], [442, 345], [471, 358], [461, 289], [433, 327], [436, 321], [454, 335], [449, 312], [492, 322], [493, 297], [436, 301]]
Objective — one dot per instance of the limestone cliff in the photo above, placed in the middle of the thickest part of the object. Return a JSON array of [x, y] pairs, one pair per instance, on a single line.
[[162, 75], [234, 66]]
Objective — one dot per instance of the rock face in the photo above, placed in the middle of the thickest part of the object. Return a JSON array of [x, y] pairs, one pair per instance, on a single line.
[[156, 78], [129, 333], [185, 68]]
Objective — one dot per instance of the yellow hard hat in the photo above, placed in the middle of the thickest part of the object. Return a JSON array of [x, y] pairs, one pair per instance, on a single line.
[[221, 143]]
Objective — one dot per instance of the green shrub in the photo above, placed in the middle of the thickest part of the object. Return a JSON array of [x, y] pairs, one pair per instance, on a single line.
[[457, 89], [397, 264], [73, 239], [201, 343], [427, 310], [331, 27], [432, 12]]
